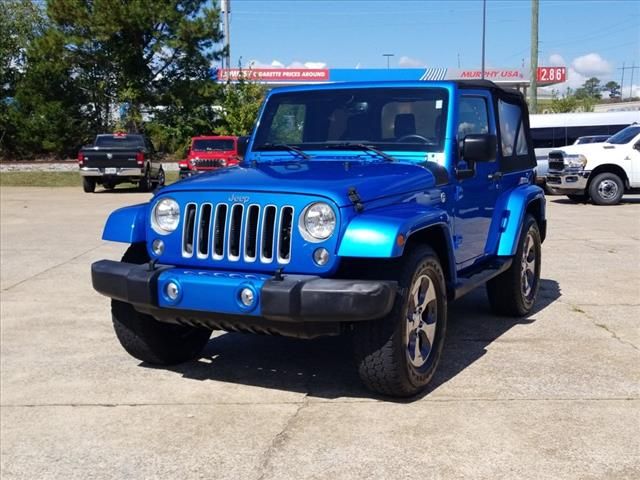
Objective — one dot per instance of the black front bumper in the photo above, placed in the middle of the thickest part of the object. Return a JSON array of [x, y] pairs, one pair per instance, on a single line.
[[286, 299]]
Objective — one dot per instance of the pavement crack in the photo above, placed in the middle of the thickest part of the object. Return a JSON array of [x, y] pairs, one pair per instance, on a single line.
[[53, 267], [614, 334], [280, 439]]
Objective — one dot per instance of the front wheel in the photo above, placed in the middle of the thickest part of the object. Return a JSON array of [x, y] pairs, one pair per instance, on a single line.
[[149, 340], [398, 355], [513, 293], [145, 181], [606, 189], [160, 181]]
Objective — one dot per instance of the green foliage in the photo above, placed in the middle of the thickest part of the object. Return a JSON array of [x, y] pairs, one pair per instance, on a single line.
[[613, 88], [87, 60], [590, 89], [240, 105]]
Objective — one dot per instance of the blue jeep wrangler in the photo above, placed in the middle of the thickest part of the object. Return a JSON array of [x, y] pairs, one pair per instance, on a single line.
[[360, 207]]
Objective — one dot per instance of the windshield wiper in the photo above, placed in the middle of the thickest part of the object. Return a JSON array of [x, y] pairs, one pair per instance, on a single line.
[[363, 146], [285, 146]]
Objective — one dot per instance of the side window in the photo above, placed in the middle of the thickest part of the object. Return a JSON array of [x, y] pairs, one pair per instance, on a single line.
[[473, 116], [512, 135]]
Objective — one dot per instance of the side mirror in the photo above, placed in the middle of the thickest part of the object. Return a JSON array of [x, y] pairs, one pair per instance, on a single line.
[[637, 146], [243, 142], [478, 148]]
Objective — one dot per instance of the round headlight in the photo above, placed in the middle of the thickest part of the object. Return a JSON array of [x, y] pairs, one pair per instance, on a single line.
[[318, 222], [166, 216]]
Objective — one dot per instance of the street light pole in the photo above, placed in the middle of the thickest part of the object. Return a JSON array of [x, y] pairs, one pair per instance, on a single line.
[[533, 107], [388, 55], [484, 21]]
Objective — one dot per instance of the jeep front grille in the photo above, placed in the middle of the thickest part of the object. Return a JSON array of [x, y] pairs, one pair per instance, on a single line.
[[207, 163], [556, 162], [238, 232]]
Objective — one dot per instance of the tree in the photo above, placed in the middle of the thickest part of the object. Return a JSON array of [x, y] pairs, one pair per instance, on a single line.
[[570, 102], [613, 88], [240, 106], [137, 52], [590, 89]]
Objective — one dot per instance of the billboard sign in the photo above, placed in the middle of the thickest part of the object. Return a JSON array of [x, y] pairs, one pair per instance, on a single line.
[[552, 75], [274, 75]]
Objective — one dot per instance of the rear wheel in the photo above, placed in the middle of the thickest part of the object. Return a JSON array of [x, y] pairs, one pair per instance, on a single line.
[[606, 189], [149, 340], [160, 181], [88, 184], [513, 293], [398, 355], [145, 181]]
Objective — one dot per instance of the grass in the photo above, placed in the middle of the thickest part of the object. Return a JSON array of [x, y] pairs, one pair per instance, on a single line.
[[55, 179]]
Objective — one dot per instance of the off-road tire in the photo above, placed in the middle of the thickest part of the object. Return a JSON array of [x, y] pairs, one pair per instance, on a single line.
[[578, 197], [144, 185], [381, 346], [597, 189], [505, 291], [88, 184], [149, 340]]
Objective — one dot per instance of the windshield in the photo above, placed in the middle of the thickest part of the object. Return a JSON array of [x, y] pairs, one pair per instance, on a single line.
[[211, 145], [625, 136], [120, 141], [401, 119]]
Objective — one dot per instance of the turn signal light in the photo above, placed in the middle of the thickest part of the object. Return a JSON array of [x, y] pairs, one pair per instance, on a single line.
[[140, 158]]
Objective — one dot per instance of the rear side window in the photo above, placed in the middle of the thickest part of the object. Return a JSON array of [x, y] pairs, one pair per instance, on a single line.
[[513, 140]]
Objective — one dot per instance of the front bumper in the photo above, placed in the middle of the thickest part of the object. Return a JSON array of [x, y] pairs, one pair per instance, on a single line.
[[116, 172], [568, 181], [213, 297]]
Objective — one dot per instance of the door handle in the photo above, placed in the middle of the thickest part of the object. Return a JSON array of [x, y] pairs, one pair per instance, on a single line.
[[495, 176]]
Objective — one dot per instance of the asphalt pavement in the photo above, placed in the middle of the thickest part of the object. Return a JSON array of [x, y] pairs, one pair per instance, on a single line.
[[552, 396]]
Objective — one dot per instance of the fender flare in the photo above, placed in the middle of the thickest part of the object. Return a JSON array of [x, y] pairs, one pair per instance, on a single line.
[[127, 224], [374, 234], [514, 210]]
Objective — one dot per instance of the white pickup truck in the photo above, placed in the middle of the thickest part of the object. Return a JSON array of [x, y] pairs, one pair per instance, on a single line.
[[600, 171]]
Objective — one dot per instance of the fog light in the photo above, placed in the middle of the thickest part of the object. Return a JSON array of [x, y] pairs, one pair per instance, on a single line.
[[247, 297], [321, 256], [172, 290], [158, 247]]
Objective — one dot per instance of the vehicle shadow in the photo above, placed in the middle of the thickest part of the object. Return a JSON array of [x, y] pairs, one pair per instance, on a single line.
[[324, 367], [625, 200]]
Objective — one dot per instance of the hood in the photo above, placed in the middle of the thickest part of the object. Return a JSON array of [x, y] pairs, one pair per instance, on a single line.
[[587, 148], [331, 179]]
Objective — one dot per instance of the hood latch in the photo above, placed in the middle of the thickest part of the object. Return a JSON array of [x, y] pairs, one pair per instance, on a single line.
[[354, 198]]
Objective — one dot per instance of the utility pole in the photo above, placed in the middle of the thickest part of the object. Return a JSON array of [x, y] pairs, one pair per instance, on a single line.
[[632, 68], [388, 55], [484, 31], [533, 103], [225, 8]]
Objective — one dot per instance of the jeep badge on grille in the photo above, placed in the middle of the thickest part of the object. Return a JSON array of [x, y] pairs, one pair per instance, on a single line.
[[238, 198]]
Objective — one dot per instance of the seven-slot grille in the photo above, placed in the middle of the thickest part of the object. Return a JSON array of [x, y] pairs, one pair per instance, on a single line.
[[207, 163], [237, 232], [556, 161]]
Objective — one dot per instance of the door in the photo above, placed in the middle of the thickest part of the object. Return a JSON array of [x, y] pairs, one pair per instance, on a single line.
[[475, 196], [634, 154]]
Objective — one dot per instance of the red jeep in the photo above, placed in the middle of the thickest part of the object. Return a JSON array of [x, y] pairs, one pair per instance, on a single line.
[[209, 153]]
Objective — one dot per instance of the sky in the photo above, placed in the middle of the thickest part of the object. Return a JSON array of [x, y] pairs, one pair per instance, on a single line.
[[589, 37]]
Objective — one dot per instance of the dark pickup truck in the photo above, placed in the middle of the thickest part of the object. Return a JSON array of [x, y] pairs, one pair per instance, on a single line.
[[119, 158]]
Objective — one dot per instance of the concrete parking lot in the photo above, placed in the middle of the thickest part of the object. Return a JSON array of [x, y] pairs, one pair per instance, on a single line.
[[555, 395]]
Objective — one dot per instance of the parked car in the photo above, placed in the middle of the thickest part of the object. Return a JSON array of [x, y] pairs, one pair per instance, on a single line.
[[591, 139], [602, 172], [119, 158], [359, 208], [209, 153]]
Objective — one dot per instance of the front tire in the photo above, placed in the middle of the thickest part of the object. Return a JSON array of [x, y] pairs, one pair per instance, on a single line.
[[149, 340], [88, 185], [606, 189], [398, 355], [513, 293], [160, 181]]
